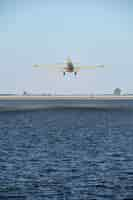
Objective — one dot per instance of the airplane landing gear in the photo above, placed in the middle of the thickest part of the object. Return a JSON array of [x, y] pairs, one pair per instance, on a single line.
[[75, 73]]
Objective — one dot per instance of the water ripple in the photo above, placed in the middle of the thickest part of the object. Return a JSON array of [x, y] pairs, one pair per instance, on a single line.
[[66, 155]]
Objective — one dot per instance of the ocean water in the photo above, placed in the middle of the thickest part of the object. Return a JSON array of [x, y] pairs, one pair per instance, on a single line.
[[66, 154]]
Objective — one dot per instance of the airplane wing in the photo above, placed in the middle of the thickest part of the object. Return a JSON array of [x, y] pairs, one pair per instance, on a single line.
[[59, 66], [91, 67]]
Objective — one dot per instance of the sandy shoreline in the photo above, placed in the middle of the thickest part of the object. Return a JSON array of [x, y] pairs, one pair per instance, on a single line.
[[104, 97]]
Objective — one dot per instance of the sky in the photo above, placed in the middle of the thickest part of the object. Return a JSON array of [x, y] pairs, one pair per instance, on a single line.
[[48, 31]]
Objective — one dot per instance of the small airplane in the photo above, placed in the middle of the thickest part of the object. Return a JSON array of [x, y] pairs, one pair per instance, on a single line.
[[68, 66]]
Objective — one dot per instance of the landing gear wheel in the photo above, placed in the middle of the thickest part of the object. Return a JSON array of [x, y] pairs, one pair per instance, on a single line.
[[75, 73]]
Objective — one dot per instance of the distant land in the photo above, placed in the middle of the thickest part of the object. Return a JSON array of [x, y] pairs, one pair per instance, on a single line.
[[40, 102], [71, 96]]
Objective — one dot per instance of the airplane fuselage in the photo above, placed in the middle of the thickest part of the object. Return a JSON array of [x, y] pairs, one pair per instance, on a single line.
[[70, 67]]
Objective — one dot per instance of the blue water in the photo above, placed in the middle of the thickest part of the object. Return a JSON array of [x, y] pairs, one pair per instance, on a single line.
[[110, 102], [67, 154]]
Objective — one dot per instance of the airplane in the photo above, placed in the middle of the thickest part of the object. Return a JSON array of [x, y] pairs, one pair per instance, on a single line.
[[68, 66]]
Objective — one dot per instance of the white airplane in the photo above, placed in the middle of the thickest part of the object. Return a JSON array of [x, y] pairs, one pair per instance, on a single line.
[[68, 66]]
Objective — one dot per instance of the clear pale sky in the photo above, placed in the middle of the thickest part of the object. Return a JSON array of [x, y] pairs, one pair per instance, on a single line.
[[48, 31]]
